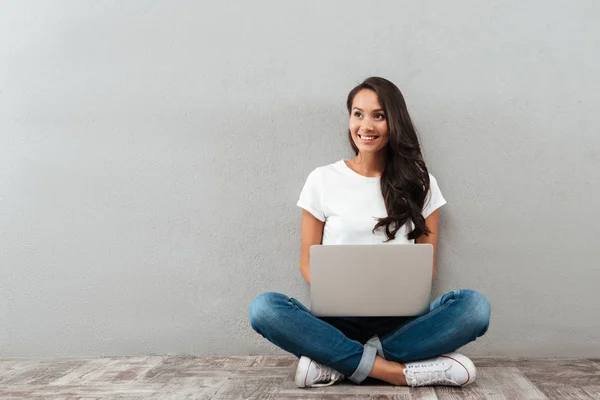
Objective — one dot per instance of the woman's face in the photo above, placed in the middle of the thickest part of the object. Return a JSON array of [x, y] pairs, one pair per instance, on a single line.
[[368, 124]]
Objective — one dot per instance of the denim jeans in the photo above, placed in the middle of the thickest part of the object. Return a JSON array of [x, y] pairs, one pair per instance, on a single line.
[[350, 344]]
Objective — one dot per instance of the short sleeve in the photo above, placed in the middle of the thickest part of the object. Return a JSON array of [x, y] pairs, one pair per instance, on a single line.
[[311, 197], [434, 198]]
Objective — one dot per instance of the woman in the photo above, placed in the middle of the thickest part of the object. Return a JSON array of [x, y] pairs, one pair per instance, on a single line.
[[387, 178]]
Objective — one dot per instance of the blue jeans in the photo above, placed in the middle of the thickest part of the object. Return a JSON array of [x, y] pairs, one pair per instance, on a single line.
[[350, 344]]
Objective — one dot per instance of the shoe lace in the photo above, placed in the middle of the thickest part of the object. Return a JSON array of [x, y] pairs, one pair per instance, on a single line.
[[327, 375], [434, 376]]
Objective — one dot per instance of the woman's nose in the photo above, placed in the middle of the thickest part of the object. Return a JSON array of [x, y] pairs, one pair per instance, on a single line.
[[366, 125]]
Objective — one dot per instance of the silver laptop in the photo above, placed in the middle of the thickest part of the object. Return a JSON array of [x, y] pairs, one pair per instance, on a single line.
[[370, 280]]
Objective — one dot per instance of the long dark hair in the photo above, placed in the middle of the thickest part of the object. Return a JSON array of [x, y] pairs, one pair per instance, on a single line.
[[405, 179]]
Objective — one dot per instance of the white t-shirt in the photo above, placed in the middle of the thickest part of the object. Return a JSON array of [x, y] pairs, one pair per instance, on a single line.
[[350, 204]]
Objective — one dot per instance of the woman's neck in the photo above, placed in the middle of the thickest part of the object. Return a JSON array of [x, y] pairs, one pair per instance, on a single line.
[[369, 165]]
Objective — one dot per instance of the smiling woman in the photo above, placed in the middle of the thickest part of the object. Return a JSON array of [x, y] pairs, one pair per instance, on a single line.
[[384, 194], [377, 110]]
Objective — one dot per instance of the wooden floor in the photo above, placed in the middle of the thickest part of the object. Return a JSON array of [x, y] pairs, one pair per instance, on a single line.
[[272, 377]]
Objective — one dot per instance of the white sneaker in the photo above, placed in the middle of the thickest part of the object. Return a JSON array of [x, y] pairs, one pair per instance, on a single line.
[[450, 369], [312, 374]]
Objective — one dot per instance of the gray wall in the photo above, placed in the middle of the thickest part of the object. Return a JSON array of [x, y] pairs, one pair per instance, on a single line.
[[151, 154]]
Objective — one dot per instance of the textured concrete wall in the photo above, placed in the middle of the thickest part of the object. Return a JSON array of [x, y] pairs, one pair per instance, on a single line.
[[151, 154]]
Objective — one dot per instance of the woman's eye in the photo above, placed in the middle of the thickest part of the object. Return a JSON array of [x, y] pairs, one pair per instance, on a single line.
[[379, 116], [356, 114]]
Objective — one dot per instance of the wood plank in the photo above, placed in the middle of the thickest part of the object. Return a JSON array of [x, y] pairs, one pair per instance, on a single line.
[[563, 391], [564, 371], [592, 390], [211, 362], [12, 370], [116, 370], [494, 383], [272, 377], [275, 361], [324, 396], [39, 372], [105, 390], [182, 367], [166, 376], [595, 362], [248, 389], [17, 392], [351, 397], [200, 388]]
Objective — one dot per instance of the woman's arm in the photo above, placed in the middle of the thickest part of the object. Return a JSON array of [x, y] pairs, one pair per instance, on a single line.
[[312, 233], [432, 223]]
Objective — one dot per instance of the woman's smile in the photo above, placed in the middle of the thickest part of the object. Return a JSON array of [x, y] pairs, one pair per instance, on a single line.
[[367, 138]]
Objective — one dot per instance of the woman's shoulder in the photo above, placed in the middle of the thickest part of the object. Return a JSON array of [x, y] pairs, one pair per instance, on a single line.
[[334, 167]]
